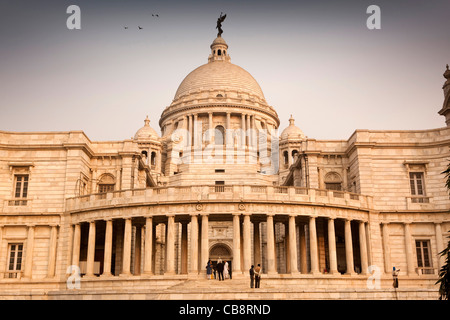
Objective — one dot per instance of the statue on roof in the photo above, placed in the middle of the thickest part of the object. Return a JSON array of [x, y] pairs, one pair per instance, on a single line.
[[219, 24]]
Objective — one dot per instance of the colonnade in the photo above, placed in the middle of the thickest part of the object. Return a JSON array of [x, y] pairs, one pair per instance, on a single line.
[[193, 257], [191, 125]]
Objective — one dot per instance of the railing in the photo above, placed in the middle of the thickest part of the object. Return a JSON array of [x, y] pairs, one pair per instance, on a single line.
[[425, 270], [222, 192], [18, 202], [14, 274], [420, 199]]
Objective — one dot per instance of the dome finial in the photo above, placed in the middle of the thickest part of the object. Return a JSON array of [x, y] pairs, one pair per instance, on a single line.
[[147, 121], [291, 121]]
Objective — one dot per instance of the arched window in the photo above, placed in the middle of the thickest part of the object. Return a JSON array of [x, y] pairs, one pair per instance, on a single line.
[[153, 158], [286, 157], [219, 135], [294, 155], [219, 52], [106, 183], [333, 181]]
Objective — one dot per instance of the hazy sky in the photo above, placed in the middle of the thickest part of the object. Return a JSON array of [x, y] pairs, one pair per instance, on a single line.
[[316, 60]]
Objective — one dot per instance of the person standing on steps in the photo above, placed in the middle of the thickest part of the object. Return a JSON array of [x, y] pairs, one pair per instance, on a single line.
[[257, 275], [208, 270], [252, 276], [220, 269], [225, 270]]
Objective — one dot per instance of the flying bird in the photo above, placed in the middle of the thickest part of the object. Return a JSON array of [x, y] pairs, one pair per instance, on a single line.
[[155, 15], [126, 27], [140, 28]]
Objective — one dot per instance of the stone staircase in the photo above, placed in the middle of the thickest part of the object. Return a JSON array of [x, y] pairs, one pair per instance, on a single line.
[[214, 285]]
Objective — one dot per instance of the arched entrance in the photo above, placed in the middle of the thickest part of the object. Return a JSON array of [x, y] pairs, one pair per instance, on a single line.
[[221, 251]]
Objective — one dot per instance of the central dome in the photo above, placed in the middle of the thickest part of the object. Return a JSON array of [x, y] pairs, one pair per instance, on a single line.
[[219, 74], [218, 86]]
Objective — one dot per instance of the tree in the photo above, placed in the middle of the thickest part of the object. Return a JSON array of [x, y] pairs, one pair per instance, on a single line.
[[444, 273]]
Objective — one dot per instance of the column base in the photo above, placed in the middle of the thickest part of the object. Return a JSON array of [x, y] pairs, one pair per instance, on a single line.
[[334, 273], [106, 275], [272, 273], [125, 275]]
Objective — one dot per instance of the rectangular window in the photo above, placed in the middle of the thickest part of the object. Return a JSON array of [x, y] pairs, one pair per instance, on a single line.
[[333, 186], [104, 188], [423, 253], [21, 186], [15, 259], [416, 182]]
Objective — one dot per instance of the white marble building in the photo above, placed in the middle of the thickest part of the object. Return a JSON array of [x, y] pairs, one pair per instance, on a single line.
[[142, 215]]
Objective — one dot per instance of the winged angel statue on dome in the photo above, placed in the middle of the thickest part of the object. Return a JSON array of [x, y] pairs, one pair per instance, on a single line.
[[219, 24]]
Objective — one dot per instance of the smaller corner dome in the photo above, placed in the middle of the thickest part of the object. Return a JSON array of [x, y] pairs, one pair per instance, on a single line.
[[146, 132], [292, 131]]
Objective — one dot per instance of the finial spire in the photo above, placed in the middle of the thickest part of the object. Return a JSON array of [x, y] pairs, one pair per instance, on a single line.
[[291, 121], [147, 121]]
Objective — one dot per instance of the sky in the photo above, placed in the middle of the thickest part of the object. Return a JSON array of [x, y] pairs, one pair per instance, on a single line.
[[316, 60]]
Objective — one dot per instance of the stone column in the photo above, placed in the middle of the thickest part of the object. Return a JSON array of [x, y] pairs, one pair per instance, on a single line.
[[349, 248], [148, 246], [314, 254], [170, 245], [363, 247], [29, 252], [205, 241], [243, 137], [236, 244], [256, 243], [408, 249], [194, 244], [184, 248], [249, 141], [292, 245], [332, 246], [76, 245], [126, 260], [303, 256], [228, 141], [386, 248], [108, 248], [137, 250], [91, 250], [439, 245], [191, 132], [52, 252], [270, 246], [196, 138], [211, 127], [247, 242]]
